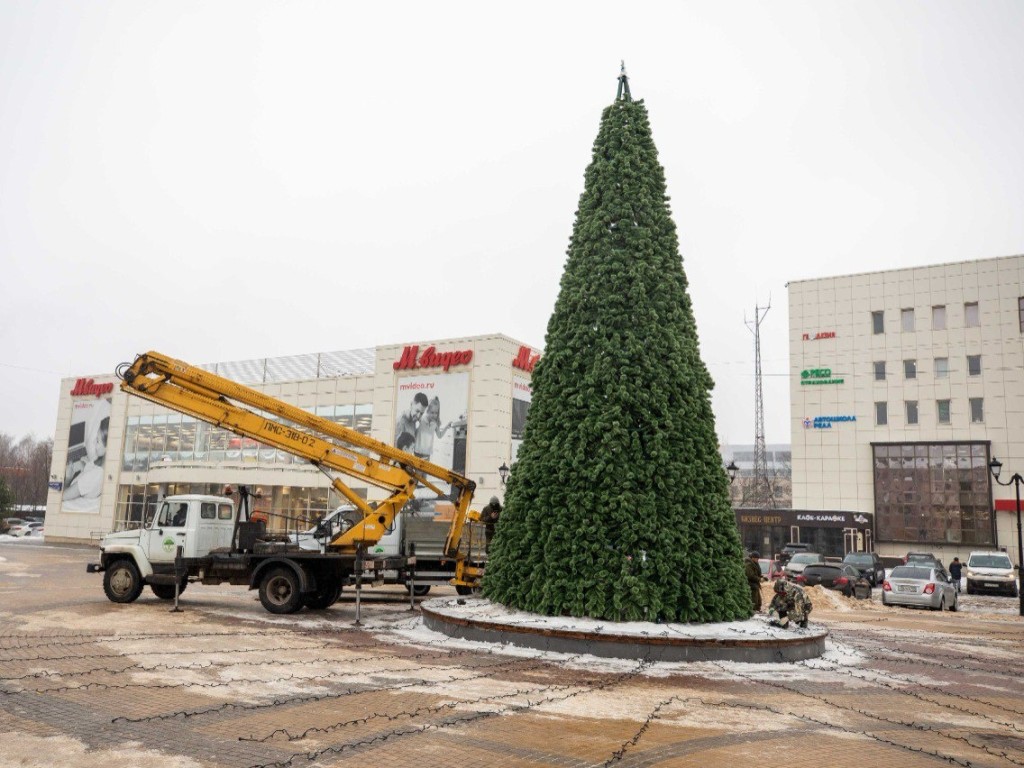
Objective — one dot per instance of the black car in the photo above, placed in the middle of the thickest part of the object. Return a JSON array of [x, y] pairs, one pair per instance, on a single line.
[[838, 576], [868, 564]]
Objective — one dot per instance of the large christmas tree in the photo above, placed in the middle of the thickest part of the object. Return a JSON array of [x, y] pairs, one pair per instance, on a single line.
[[618, 506]]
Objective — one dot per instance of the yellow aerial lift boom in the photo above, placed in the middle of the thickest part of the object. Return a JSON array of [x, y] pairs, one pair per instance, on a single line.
[[331, 447]]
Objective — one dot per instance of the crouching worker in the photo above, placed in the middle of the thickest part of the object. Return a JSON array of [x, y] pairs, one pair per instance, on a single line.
[[790, 605]]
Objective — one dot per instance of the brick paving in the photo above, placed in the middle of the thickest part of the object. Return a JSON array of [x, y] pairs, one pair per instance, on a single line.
[[90, 683]]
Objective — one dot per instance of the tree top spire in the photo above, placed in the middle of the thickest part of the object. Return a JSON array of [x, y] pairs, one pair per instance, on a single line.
[[623, 92]]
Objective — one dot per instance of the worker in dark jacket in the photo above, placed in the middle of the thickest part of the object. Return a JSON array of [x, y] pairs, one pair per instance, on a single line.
[[753, 571], [956, 569], [489, 517]]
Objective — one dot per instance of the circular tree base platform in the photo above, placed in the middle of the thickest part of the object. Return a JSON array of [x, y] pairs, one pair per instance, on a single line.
[[751, 641]]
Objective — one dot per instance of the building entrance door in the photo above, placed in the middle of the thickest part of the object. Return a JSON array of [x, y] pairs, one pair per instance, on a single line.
[[852, 541]]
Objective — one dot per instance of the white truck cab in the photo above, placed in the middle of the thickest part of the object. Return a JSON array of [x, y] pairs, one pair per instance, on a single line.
[[197, 523]]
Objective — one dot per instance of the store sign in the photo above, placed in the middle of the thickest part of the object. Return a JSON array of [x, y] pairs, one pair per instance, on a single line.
[[756, 519], [412, 359], [85, 387], [818, 376], [825, 422], [525, 360], [820, 335], [820, 518]]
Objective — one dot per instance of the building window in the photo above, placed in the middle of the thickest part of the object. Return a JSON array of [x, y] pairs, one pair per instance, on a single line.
[[933, 493], [881, 414], [878, 322], [910, 369], [974, 365], [879, 370], [911, 411], [907, 319], [941, 367], [977, 410], [942, 408], [1020, 313], [939, 317], [972, 319]]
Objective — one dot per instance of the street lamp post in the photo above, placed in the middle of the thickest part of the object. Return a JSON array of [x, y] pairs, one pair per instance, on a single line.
[[995, 466], [732, 469]]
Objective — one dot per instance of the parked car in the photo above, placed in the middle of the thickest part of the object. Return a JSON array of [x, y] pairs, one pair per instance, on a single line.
[[921, 558], [27, 529], [792, 548], [991, 572], [838, 576], [770, 569], [919, 585], [11, 522], [869, 564], [801, 560]]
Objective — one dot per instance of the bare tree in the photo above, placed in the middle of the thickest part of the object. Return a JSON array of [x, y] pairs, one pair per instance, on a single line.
[[25, 468]]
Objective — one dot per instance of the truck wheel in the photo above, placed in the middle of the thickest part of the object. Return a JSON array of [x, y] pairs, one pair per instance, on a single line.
[[279, 591], [166, 591], [419, 590], [323, 598], [122, 582]]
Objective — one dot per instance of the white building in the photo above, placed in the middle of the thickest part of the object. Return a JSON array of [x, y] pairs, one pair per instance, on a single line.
[[115, 455], [904, 384]]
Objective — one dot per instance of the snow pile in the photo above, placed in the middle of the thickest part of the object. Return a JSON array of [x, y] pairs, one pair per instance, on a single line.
[[479, 609]]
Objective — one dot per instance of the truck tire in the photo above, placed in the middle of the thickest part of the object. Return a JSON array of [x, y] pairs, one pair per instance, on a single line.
[[323, 598], [419, 590], [166, 591], [122, 582], [279, 591]]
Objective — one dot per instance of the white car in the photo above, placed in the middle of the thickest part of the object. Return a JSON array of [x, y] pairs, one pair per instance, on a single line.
[[317, 537], [990, 572], [27, 529], [801, 560]]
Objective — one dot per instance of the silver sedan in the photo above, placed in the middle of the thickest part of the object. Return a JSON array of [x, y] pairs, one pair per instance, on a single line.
[[919, 585]]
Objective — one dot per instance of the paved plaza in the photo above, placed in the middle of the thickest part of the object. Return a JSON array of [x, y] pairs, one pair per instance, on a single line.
[[88, 683]]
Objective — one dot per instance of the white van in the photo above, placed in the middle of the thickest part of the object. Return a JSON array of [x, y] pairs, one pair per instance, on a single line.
[[991, 572]]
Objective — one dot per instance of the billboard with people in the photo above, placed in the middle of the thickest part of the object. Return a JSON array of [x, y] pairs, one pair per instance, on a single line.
[[87, 450], [431, 420]]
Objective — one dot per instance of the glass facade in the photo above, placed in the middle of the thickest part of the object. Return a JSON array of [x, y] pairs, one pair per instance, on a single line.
[[175, 438], [933, 493], [184, 441], [288, 508]]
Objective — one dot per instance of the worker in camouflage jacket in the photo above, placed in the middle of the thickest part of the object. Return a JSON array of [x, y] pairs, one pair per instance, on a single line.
[[789, 606]]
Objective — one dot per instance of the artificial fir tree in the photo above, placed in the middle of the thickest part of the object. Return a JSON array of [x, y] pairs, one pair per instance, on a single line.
[[618, 505]]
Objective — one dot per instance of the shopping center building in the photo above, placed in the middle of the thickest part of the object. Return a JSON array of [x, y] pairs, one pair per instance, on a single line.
[[904, 384], [116, 455]]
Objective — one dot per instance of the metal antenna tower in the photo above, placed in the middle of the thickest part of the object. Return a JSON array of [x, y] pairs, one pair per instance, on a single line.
[[761, 494]]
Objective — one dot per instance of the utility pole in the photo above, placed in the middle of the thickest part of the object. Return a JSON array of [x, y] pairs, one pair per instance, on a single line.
[[761, 494]]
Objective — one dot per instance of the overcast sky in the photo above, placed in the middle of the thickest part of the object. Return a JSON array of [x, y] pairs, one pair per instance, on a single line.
[[231, 180]]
